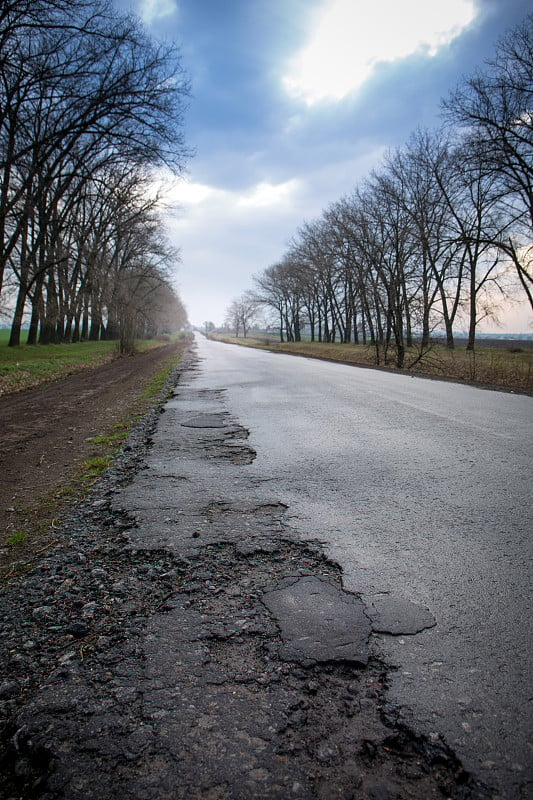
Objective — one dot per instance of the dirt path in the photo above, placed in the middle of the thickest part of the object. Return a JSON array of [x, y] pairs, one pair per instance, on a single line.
[[45, 432]]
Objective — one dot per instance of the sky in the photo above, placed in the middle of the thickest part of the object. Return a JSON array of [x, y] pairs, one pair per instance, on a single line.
[[293, 103]]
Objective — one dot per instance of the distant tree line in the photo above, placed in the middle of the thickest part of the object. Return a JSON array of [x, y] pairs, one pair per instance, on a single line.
[[89, 106], [444, 226]]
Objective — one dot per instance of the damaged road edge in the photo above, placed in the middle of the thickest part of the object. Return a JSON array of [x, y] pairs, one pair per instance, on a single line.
[[193, 674]]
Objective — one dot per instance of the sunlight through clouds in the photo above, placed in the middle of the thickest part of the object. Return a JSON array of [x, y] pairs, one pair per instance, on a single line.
[[350, 37], [189, 193], [150, 10]]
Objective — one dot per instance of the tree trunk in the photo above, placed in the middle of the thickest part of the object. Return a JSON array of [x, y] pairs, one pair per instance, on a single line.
[[85, 320], [96, 324], [36, 310], [473, 314], [48, 333], [16, 324]]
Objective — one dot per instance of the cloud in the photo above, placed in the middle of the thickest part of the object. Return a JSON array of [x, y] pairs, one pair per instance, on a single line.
[[227, 235], [350, 37], [151, 10], [188, 193], [268, 195], [263, 195]]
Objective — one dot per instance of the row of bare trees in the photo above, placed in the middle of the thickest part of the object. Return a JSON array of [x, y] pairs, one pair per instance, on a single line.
[[443, 228], [89, 107]]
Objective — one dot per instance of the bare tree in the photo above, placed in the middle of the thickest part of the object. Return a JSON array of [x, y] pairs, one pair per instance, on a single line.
[[83, 92], [280, 287], [242, 313], [496, 103], [313, 262], [428, 236]]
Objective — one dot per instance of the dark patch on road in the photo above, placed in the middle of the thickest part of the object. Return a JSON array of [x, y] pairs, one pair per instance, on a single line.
[[219, 436], [186, 696], [397, 616], [207, 421], [319, 622]]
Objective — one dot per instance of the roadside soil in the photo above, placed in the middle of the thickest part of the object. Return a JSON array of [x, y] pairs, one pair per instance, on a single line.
[[45, 436]]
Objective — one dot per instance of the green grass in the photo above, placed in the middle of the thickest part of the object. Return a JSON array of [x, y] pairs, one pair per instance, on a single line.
[[92, 467], [154, 387], [27, 366], [111, 439], [16, 537], [30, 365]]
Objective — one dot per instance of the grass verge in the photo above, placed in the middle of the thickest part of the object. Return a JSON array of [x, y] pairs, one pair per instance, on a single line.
[[506, 366], [29, 366]]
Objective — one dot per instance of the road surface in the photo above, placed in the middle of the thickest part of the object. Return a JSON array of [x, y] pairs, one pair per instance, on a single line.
[[421, 491]]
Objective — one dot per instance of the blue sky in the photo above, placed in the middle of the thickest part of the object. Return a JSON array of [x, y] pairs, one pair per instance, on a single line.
[[293, 103]]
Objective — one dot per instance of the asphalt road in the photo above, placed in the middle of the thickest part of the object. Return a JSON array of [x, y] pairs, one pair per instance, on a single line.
[[421, 491]]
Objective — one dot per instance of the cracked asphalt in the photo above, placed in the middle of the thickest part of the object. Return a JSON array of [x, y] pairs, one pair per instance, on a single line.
[[420, 490], [202, 649]]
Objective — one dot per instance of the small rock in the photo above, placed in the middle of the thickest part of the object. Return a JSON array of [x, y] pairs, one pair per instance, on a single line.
[[298, 718], [42, 613], [87, 612], [369, 749], [77, 629], [8, 689], [22, 768], [326, 752], [125, 694], [98, 572]]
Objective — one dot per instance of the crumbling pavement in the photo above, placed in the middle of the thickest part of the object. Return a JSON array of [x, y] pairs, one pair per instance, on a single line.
[[180, 642]]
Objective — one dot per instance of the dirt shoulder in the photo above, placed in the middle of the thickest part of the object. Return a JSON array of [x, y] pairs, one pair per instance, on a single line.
[[46, 435]]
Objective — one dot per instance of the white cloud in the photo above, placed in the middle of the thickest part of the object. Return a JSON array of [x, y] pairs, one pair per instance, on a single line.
[[263, 195], [269, 195], [225, 236], [351, 37], [151, 10], [188, 193]]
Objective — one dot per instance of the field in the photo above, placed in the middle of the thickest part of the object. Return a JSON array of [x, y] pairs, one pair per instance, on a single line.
[[500, 364], [28, 366]]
